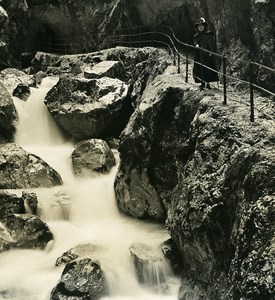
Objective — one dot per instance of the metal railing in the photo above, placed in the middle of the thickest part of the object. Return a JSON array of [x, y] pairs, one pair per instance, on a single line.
[[141, 36], [178, 58]]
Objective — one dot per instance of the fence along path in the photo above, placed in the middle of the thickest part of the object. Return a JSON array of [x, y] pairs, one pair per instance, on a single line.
[[141, 36], [138, 36]]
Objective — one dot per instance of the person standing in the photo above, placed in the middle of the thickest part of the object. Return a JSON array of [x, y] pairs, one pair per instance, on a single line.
[[204, 39]]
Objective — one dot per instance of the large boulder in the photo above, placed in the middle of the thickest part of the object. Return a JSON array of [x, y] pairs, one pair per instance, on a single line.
[[107, 68], [23, 231], [12, 78], [141, 66], [86, 108], [152, 268], [93, 155], [81, 279], [55, 64], [80, 251], [20, 169], [8, 115], [22, 91], [13, 204], [10, 204], [150, 145]]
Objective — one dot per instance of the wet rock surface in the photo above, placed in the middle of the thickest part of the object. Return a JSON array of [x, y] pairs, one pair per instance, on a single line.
[[18, 229], [23, 231], [31, 201], [205, 170], [150, 145], [22, 91], [253, 263], [229, 169], [12, 79], [82, 279], [88, 108], [10, 204], [92, 155], [243, 29], [207, 166], [20, 169], [8, 115], [151, 266], [80, 251]]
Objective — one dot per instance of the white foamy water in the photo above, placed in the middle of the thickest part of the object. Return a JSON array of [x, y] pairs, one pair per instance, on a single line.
[[78, 212]]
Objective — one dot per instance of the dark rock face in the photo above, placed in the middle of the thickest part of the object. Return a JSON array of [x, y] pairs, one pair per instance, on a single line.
[[3, 17], [93, 155], [244, 29], [14, 33], [10, 204], [226, 173], [30, 199], [141, 66], [22, 91], [85, 24], [172, 254], [23, 231], [150, 144], [253, 264], [212, 172], [82, 279], [8, 115], [88, 108], [20, 169], [19, 230]]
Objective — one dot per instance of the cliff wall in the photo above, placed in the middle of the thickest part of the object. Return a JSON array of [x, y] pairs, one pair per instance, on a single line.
[[244, 29]]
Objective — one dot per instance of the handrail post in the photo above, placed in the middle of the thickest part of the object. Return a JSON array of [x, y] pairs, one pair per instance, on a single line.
[[251, 92], [178, 63], [224, 81], [186, 70]]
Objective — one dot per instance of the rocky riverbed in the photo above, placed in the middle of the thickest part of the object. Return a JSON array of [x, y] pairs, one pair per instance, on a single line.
[[187, 160]]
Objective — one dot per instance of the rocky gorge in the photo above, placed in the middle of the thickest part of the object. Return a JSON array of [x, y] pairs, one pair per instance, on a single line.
[[245, 30], [187, 161]]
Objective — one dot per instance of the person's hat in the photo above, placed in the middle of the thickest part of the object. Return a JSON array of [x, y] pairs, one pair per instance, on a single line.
[[201, 21]]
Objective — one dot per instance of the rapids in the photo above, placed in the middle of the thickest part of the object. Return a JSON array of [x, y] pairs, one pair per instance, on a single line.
[[82, 210]]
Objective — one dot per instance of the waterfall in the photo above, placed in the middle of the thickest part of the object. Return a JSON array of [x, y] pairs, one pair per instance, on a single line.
[[81, 211], [36, 125]]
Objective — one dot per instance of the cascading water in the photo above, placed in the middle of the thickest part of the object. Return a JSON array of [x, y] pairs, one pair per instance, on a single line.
[[80, 211]]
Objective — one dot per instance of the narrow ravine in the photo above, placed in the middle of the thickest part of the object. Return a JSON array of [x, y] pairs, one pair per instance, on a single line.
[[81, 211]]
